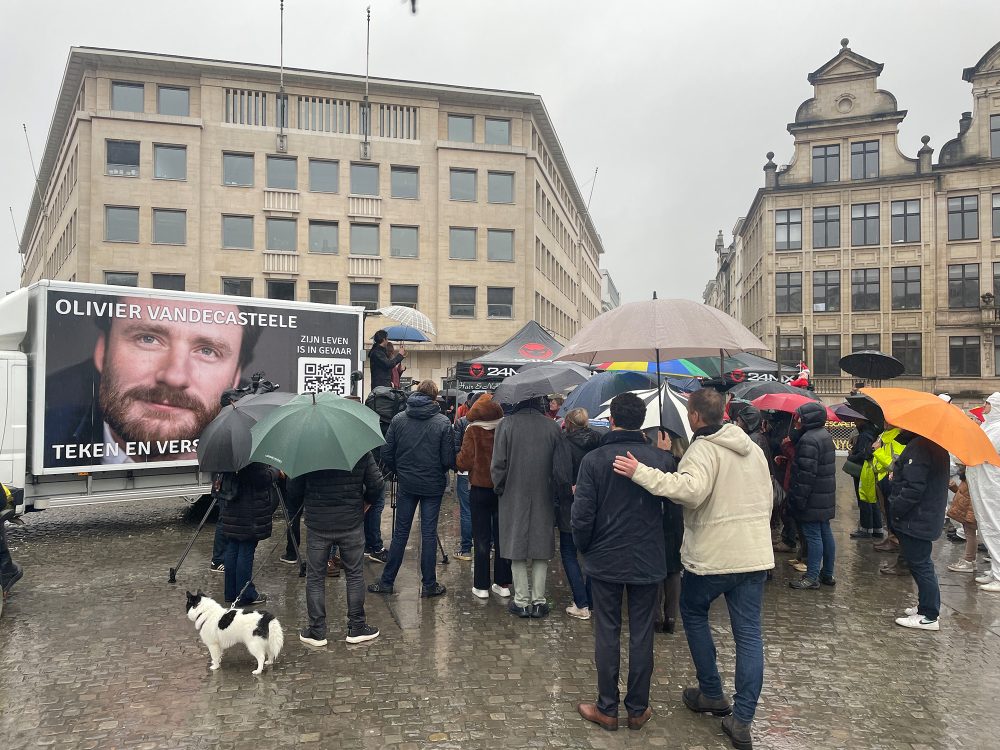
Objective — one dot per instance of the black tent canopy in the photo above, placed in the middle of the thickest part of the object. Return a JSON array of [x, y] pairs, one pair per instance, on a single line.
[[531, 344]]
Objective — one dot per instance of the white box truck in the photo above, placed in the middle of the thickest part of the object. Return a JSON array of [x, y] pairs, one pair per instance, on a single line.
[[104, 390]]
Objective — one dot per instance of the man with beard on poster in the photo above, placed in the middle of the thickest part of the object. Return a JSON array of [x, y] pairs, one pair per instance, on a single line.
[[149, 390]]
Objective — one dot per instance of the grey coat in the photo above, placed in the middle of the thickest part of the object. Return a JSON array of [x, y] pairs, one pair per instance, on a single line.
[[522, 475]]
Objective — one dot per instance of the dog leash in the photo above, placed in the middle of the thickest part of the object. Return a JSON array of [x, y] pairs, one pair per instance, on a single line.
[[267, 558]]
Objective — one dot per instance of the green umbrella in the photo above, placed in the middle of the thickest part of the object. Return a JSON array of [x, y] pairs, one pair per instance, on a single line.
[[314, 432]]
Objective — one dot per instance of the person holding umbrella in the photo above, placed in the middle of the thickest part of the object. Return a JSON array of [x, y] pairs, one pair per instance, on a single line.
[[380, 362]]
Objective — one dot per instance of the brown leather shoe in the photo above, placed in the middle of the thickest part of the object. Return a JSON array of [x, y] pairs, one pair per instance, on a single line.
[[590, 712], [886, 546], [638, 722]]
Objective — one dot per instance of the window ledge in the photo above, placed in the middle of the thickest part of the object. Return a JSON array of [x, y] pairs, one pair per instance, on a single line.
[[968, 241], [171, 179], [123, 242], [235, 185]]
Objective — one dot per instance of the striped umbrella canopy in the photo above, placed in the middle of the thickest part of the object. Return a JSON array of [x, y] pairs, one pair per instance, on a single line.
[[683, 367]]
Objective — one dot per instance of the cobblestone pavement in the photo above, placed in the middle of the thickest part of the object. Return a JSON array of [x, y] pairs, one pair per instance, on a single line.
[[95, 652]]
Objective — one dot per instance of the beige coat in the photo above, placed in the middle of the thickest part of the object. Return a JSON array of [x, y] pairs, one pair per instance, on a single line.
[[724, 486]]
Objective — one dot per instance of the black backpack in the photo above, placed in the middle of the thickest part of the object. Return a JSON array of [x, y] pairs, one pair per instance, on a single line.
[[387, 403]]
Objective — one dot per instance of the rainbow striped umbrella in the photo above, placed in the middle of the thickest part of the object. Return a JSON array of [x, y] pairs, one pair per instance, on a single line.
[[684, 367]]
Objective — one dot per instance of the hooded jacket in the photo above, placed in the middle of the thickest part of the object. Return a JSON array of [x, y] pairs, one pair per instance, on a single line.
[[565, 467], [751, 418], [919, 491], [724, 486], [984, 482], [476, 454], [812, 489], [248, 517], [419, 447]]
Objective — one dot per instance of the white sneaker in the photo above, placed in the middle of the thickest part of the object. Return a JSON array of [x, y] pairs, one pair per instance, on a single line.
[[986, 577], [963, 566], [992, 587], [499, 590], [481, 593], [918, 622], [910, 611], [580, 613]]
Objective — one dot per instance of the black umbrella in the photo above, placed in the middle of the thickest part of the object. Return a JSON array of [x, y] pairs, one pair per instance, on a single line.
[[867, 408], [539, 381], [872, 365], [748, 391], [225, 443]]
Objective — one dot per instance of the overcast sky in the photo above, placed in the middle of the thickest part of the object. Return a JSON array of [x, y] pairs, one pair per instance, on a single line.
[[676, 103]]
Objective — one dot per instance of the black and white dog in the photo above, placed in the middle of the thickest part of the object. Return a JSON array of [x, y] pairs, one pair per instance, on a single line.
[[221, 628]]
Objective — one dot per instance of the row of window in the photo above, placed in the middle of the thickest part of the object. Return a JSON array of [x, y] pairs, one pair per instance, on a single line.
[[131, 97], [963, 223], [462, 129], [826, 162], [963, 289]]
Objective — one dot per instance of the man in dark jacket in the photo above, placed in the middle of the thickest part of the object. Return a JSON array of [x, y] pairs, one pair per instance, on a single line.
[[617, 525], [334, 503], [812, 493], [918, 498], [749, 420], [379, 361], [869, 515], [420, 449], [246, 520]]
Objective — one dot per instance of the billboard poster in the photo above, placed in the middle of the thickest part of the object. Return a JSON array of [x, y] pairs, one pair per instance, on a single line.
[[135, 379]]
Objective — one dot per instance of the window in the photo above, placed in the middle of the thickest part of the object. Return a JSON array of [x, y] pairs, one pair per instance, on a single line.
[[172, 100], [865, 290], [364, 239], [499, 244], [995, 136], [364, 179], [122, 158], [864, 160], [117, 278], [463, 184], [169, 227], [364, 295], [790, 350], [237, 169], [497, 132], [282, 173], [462, 244], [280, 290], [128, 97], [500, 187], [906, 221], [237, 287], [866, 342], [996, 214], [281, 109], [460, 128], [403, 242], [996, 285], [281, 235], [826, 354], [826, 227], [462, 301], [121, 224], [788, 292], [906, 348], [404, 182], [170, 162], [323, 291], [237, 232], [906, 288], [963, 285], [404, 295], [323, 237], [826, 164], [963, 356], [499, 302], [826, 291], [324, 176], [788, 229], [963, 218], [864, 224], [173, 281]]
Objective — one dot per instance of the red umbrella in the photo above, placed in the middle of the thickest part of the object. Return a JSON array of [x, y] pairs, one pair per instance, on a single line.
[[788, 402]]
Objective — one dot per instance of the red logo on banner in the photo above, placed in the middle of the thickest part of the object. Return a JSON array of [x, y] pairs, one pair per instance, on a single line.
[[477, 370], [535, 351], [738, 376]]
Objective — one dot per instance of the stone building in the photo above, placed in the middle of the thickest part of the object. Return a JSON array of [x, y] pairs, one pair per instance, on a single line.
[[855, 245], [182, 173]]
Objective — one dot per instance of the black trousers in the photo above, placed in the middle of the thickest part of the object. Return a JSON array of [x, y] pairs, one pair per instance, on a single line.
[[485, 510], [606, 599]]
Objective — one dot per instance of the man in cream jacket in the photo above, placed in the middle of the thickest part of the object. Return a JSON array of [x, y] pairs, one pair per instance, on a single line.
[[724, 486]]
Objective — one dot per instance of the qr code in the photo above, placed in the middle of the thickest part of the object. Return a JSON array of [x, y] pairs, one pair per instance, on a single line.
[[319, 375]]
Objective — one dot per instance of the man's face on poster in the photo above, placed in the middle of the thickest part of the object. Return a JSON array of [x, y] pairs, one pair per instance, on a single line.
[[161, 380]]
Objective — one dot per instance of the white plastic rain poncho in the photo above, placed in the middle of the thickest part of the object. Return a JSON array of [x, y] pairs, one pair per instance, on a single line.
[[984, 488]]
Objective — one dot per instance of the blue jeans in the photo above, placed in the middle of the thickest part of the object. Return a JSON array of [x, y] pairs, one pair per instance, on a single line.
[[239, 569], [821, 549], [406, 509], [917, 553], [744, 594], [373, 525], [571, 565], [464, 512]]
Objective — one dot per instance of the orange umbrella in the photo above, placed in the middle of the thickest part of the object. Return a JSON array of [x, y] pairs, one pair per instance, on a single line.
[[930, 417]]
